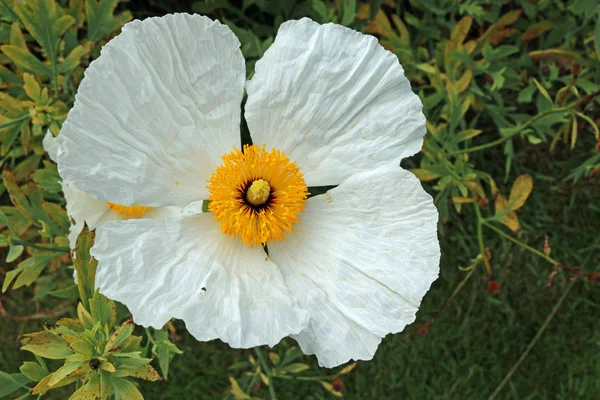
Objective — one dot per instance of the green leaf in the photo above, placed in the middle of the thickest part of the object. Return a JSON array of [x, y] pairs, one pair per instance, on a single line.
[[103, 310], [69, 292], [85, 265], [47, 345], [526, 94], [14, 252], [122, 333], [33, 371], [542, 90], [146, 372], [73, 59], [348, 12], [10, 383], [125, 390], [295, 368], [90, 390], [25, 60], [32, 267], [519, 192], [43, 22], [47, 178], [101, 20], [63, 371]]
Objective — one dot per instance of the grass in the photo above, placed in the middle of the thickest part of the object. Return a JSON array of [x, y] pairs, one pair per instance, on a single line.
[[479, 337]]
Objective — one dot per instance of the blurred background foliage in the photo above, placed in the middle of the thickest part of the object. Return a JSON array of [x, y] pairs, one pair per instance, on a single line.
[[512, 158]]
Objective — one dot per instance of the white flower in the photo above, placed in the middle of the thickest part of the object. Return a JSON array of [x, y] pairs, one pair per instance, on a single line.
[[158, 116], [84, 209]]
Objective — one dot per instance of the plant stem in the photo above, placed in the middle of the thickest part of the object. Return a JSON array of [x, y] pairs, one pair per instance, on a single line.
[[480, 241], [449, 299], [533, 342], [265, 366], [38, 247], [516, 132], [523, 245]]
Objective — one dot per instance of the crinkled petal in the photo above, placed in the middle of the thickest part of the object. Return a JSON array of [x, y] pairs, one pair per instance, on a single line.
[[361, 259], [186, 268], [51, 145], [155, 112], [334, 100]]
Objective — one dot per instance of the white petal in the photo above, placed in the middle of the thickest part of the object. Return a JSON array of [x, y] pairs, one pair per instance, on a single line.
[[185, 268], [334, 100], [84, 209], [360, 260], [155, 112], [51, 145]]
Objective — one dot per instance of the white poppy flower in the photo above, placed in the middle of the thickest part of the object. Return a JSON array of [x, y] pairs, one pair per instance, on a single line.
[[84, 209], [157, 116]]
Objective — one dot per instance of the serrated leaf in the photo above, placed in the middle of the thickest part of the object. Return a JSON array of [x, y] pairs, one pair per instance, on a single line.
[[519, 192], [101, 20], [43, 22]]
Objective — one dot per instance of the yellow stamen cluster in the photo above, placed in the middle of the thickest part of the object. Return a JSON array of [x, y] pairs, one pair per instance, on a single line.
[[257, 194], [129, 212]]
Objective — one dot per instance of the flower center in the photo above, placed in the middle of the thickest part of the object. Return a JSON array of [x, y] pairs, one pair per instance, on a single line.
[[131, 212], [256, 194]]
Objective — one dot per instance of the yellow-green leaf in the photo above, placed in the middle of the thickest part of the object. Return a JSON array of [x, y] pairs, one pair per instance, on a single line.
[[519, 192], [542, 90], [424, 175], [348, 368], [461, 29], [236, 391]]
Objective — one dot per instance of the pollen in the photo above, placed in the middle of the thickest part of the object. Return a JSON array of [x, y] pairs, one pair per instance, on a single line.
[[256, 194], [129, 212]]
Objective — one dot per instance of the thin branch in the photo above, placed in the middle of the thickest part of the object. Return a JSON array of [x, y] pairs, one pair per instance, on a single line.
[[533, 342]]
